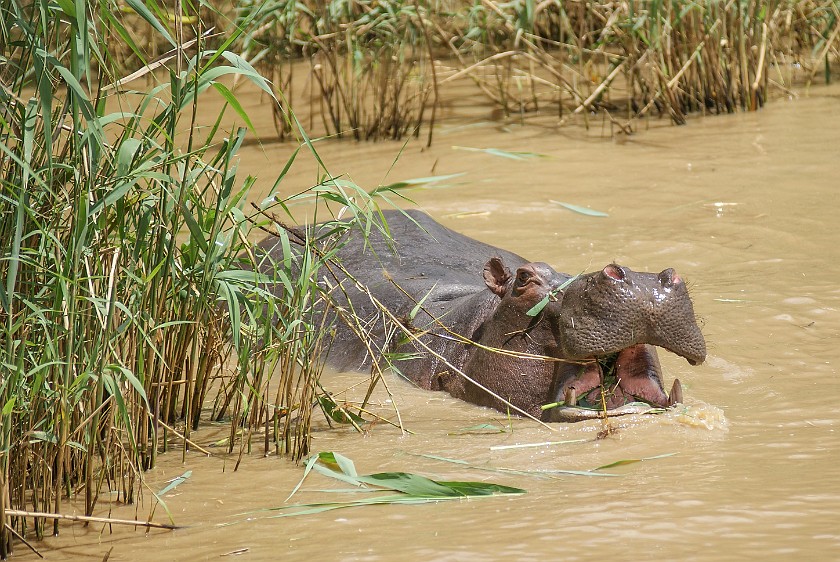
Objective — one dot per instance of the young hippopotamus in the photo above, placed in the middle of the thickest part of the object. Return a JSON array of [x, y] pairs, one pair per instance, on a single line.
[[491, 328]]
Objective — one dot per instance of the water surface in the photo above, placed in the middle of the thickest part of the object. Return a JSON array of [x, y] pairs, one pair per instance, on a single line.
[[742, 206]]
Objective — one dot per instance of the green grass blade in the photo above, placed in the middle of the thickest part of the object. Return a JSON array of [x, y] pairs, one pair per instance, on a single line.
[[415, 182], [582, 210], [175, 482], [633, 461], [140, 7], [513, 155], [537, 308], [234, 103]]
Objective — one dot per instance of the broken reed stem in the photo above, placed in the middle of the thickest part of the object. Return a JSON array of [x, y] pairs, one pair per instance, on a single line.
[[22, 539], [468, 71], [89, 519], [694, 56], [183, 438], [603, 86]]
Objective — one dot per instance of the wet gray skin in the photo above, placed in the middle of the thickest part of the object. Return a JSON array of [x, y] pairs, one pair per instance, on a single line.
[[601, 326]]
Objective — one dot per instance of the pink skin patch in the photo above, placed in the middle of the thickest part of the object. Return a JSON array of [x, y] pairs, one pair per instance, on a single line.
[[637, 369]]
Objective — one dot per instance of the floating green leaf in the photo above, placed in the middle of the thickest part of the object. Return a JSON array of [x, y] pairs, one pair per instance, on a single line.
[[175, 482], [345, 464], [632, 461], [418, 486], [412, 488], [582, 210], [503, 153]]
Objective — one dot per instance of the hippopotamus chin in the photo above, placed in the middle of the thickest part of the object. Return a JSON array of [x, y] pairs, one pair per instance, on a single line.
[[592, 343]]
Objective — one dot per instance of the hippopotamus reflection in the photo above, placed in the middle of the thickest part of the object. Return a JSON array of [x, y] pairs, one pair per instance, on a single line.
[[592, 342]]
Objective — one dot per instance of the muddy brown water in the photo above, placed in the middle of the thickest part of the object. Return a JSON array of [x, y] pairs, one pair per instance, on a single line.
[[743, 206]]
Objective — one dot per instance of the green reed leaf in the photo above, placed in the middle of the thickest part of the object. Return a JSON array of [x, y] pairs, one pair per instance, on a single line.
[[175, 482], [537, 308], [140, 7]]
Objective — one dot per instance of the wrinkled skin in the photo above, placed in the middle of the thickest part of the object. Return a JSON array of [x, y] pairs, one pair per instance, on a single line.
[[484, 293]]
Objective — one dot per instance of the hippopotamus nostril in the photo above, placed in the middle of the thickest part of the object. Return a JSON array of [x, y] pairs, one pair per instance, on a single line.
[[615, 271], [668, 278]]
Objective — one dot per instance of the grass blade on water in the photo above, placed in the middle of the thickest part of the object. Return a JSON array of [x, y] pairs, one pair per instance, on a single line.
[[412, 488], [582, 210]]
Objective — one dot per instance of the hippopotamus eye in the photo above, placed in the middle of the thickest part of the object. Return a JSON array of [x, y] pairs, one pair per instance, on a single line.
[[523, 276]]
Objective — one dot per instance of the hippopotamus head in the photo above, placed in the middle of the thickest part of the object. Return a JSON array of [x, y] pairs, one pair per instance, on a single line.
[[600, 328], [607, 311], [612, 319]]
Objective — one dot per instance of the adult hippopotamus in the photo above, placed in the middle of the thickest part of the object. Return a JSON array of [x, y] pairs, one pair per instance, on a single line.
[[479, 334]]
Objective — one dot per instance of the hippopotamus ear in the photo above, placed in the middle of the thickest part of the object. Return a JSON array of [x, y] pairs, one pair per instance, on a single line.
[[496, 276]]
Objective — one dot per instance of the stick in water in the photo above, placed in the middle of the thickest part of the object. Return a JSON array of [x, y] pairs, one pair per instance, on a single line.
[[17, 513]]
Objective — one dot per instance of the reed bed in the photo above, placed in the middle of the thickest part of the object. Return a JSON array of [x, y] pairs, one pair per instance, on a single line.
[[126, 305], [377, 69], [369, 75]]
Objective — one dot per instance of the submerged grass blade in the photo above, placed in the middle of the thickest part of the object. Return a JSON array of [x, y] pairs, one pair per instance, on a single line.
[[535, 473], [482, 428]]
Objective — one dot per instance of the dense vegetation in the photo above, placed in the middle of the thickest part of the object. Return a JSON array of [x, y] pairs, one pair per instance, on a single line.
[[124, 304], [126, 314]]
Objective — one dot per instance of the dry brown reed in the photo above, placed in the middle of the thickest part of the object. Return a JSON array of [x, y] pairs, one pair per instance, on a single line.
[[374, 64]]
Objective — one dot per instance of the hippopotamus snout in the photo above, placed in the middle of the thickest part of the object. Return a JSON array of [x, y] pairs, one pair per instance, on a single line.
[[615, 308]]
